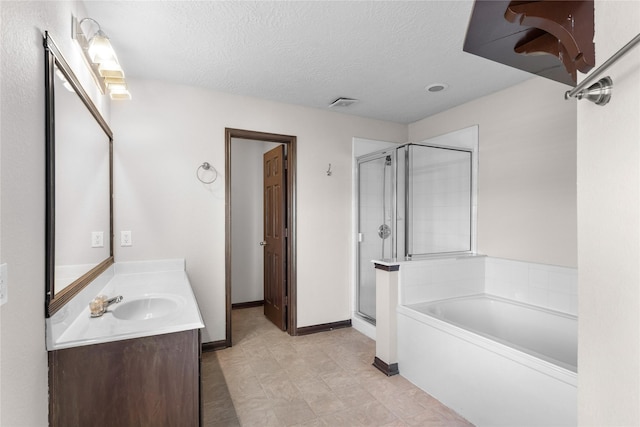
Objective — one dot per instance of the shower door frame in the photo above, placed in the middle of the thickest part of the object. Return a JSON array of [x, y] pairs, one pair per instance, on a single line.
[[380, 154], [408, 214], [465, 139]]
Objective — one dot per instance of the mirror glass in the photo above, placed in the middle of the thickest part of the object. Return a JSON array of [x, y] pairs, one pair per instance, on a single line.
[[82, 188], [79, 199]]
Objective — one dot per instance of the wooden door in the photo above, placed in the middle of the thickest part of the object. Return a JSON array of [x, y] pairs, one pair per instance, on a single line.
[[275, 256]]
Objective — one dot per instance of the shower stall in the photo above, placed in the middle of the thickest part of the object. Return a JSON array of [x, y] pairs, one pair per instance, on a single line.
[[413, 201]]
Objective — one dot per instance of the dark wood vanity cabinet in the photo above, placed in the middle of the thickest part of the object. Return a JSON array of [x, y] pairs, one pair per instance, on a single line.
[[150, 381]]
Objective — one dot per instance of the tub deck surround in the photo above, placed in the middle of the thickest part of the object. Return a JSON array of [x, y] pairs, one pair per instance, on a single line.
[[441, 278], [498, 360], [73, 326], [388, 295], [485, 381], [549, 286]]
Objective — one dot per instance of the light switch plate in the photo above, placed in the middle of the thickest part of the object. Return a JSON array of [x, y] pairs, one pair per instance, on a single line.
[[4, 284]]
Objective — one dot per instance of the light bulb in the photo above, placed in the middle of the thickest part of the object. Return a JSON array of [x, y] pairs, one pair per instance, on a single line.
[[100, 49]]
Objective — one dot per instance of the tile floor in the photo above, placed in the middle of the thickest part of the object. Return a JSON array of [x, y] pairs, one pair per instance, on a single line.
[[269, 378]]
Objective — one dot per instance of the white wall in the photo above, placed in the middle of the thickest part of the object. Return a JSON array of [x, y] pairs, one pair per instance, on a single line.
[[609, 231], [167, 130], [527, 172], [171, 214], [23, 358], [247, 225]]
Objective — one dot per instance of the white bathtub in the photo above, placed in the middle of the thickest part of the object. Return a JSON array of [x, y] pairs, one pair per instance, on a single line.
[[494, 361]]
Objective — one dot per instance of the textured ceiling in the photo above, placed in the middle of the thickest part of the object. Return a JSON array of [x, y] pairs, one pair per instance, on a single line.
[[383, 53]]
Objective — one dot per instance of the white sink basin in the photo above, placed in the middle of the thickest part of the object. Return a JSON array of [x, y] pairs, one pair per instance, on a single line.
[[145, 308]]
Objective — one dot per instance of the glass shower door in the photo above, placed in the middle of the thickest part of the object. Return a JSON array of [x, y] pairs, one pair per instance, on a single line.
[[375, 225]]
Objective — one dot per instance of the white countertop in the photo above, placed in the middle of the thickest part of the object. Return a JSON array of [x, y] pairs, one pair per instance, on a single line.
[[73, 325]]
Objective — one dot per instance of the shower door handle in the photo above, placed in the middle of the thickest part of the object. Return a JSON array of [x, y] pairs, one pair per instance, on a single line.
[[263, 243]]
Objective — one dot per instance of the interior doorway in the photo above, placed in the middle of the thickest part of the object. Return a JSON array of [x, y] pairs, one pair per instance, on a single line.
[[241, 147]]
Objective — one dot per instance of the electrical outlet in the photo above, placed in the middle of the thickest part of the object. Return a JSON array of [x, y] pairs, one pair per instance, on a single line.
[[4, 284], [97, 239], [125, 238]]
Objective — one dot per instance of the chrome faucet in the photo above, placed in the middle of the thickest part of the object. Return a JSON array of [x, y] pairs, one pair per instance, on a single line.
[[113, 300], [98, 306]]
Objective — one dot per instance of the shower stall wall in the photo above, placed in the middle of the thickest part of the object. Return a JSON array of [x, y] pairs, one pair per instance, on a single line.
[[413, 201]]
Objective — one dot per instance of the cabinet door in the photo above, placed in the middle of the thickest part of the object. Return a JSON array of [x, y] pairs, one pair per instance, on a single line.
[[150, 381]]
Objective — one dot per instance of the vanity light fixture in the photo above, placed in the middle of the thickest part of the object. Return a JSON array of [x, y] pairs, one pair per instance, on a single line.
[[101, 58]]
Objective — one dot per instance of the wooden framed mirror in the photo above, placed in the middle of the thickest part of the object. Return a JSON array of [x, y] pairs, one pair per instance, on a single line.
[[79, 184]]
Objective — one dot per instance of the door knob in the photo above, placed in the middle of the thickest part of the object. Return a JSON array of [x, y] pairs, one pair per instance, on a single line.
[[263, 243]]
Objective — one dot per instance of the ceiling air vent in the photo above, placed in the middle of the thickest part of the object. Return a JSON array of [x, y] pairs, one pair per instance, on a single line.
[[342, 102]]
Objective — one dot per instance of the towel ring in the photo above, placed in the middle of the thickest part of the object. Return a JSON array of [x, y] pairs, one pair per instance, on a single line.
[[206, 166]]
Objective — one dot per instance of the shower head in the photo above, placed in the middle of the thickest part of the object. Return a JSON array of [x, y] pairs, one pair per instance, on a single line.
[[387, 161]]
